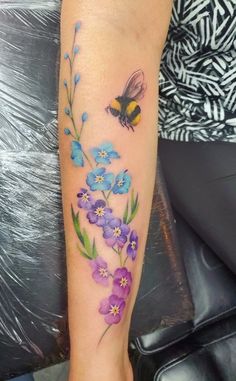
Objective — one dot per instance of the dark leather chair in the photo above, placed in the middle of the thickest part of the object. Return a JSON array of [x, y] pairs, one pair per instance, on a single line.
[[203, 348]]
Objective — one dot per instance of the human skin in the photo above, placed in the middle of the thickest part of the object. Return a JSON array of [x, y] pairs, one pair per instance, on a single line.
[[109, 40]]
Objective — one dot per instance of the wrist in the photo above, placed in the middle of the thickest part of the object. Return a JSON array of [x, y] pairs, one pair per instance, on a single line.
[[105, 368]]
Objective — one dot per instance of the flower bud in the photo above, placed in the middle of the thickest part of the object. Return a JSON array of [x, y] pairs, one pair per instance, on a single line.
[[76, 78], [67, 111], [76, 49], [77, 26], [84, 116], [67, 131]]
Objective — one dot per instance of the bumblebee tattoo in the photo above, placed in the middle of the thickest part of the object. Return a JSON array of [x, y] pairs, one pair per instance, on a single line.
[[126, 106]]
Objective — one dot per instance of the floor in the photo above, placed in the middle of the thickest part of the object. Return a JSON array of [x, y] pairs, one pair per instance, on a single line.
[[54, 373]]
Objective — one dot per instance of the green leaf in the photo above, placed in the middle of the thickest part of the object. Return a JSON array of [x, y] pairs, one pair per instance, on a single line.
[[75, 218], [82, 252], [134, 208], [126, 212], [87, 244], [136, 201], [94, 251], [132, 199], [133, 213]]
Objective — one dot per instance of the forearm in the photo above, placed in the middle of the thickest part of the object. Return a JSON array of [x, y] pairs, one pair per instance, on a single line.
[[103, 44]]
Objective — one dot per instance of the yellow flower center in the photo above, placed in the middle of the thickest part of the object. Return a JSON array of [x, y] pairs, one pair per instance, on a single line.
[[133, 245], [103, 272], [120, 183], [100, 212], [99, 179], [102, 153], [123, 282], [85, 197], [114, 310], [116, 232]]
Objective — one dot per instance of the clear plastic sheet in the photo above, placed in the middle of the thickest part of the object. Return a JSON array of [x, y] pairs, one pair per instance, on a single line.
[[33, 323]]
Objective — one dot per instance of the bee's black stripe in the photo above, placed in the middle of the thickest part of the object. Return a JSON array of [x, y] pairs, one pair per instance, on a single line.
[[134, 113]]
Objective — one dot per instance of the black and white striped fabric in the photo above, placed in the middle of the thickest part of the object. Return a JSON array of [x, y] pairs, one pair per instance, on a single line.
[[198, 72]]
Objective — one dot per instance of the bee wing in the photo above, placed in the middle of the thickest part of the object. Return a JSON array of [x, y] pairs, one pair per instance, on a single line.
[[135, 86]]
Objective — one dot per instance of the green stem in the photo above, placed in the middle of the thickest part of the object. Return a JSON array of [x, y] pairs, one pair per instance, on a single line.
[[71, 114], [71, 60], [72, 90], [81, 130], [67, 93], [109, 326], [125, 260], [108, 194], [87, 158], [105, 198], [72, 49], [120, 255], [74, 126], [119, 252], [70, 64], [71, 83], [73, 136], [72, 100]]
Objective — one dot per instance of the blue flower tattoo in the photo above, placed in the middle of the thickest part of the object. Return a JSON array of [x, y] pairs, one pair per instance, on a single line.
[[77, 153], [99, 180], [122, 183], [104, 153]]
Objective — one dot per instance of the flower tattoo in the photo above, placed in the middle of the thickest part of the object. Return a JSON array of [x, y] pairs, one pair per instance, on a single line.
[[100, 271], [99, 180], [133, 245], [112, 308], [99, 213], [104, 153], [85, 200], [122, 183], [115, 232], [77, 154], [104, 185], [122, 282]]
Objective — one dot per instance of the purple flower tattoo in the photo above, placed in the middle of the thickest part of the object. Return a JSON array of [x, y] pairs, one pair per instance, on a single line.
[[99, 213], [133, 245], [85, 200], [100, 271], [122, 282], [113, 308], [115, 232]]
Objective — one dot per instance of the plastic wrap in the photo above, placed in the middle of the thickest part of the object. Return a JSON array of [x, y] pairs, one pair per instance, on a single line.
[[33, 323]]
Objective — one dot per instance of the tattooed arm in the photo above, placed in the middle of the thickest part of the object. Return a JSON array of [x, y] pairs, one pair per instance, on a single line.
[[110, 57]]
